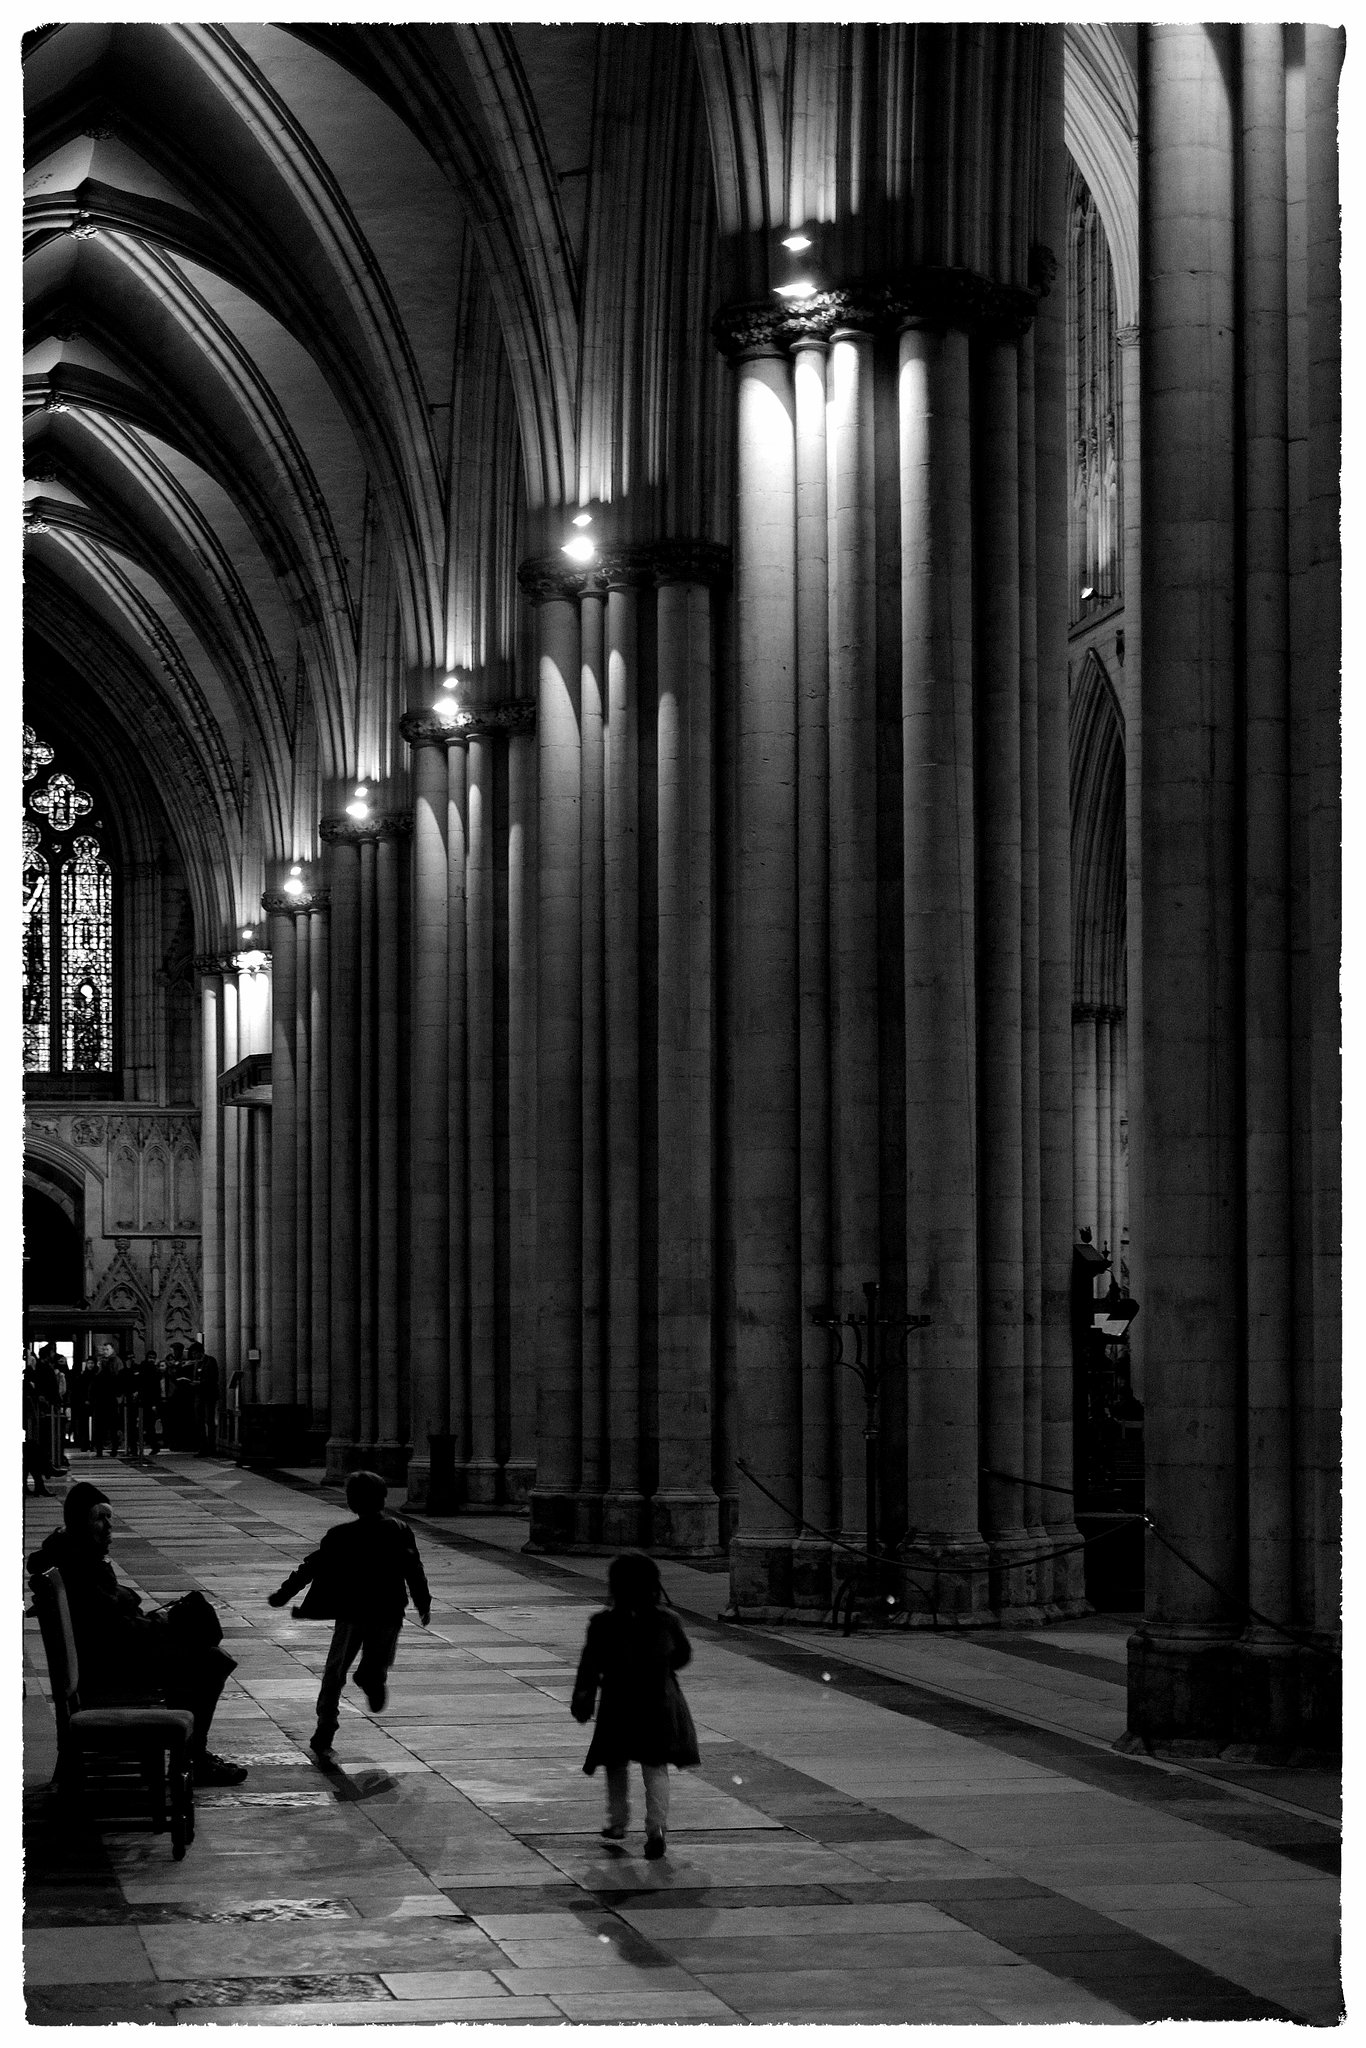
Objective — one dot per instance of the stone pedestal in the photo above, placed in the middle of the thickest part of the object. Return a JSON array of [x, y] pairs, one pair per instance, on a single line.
[[684, 1522], [272, 1433]]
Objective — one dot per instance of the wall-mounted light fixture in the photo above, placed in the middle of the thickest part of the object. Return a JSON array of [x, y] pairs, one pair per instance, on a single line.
[[358, 807], [796, 243], [294, 886], [579, 547]]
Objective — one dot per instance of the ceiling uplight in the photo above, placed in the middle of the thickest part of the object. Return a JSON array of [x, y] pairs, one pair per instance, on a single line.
[[796, 243], [358, 808], [248, 931], [294, 887], [579, 550], [582, 519], [802, 288], [252, 962], [1089, 591], [362, 789], [445, 705]]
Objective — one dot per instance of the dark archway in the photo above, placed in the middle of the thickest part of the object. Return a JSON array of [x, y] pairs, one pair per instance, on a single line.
[[53, 1261]]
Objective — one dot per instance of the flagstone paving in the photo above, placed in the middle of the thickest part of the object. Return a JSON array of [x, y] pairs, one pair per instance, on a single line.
[[884, 1829]]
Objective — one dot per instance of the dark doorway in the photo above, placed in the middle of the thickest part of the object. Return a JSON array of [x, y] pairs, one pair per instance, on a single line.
[[54, 1264]]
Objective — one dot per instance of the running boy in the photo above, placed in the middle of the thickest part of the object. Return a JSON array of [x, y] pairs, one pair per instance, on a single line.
[[359, 1577]]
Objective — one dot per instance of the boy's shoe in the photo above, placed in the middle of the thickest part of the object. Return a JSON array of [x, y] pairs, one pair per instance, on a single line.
[[654, 1847], [611, 1834], [216, 1770], [321, 1746], [376, 1693]]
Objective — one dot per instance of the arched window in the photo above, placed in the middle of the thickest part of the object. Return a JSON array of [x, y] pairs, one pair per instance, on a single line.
[[68, 925], [1094, 407]]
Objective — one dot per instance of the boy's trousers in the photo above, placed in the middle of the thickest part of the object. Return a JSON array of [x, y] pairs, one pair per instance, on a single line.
[[376, 1643]]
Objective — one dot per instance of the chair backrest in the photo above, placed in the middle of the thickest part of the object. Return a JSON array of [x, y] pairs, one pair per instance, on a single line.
[[59, 1643]]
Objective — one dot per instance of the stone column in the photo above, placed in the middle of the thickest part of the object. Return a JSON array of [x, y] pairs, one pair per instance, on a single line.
[[623, 1503], [390, 1447], [427, 1127], [481, 1472], [853, 809], [1001, 1218], [519, 1470], [684, 1508], [820, 1436], [940, 953], [1085, 1099], [367, 1416], [1131, 507], [303, 1279], [1179, 1675], [1057, 1222], [343, 1116], [593, 1420], [278, 1342], [233, 1358], [456, 1417], [559, 1064], [211, 1160], [262, 1150], [1104, 1158], [1031, 1315], [320, 1162], [247, 1251], [768, 1306]]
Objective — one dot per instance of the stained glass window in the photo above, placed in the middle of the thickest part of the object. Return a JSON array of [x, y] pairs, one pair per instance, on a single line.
[[87, 962], [1094, 404], [37, 951], [68, 937]]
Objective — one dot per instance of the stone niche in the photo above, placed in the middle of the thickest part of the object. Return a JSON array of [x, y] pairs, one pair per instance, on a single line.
[[139, 1210]]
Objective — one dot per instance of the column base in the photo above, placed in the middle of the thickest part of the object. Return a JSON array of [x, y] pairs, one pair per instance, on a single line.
[[1021, 1587], [684, 1523], [483, 1483], [554, 1520], [623, 1520], [1066, 1575], [519, 1478], [761, 1579], [948, 1578], [390, 1460], [1258, 1698], [338, 1460], [588, 1521], [813, 1573]]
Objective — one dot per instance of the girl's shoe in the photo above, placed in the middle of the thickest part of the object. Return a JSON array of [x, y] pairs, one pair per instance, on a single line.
[[611, 1834], [654, 1847]]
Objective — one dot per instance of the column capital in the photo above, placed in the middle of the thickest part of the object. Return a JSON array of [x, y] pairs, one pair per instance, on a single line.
[[353, 831], [930, 295], [1128, 337], [206, 964], [433, 729], [633, 565], [277, 902]]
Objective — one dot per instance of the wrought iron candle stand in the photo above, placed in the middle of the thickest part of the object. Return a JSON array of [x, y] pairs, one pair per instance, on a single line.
[[869, 1581]]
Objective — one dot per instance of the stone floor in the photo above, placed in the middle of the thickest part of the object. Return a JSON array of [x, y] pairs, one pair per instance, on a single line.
[[887, 1829]]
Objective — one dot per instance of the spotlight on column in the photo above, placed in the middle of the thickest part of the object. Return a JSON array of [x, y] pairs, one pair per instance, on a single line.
[[796, 243], [800, 288], [579, 547], [248, 931], [582, 519], [358, 807], [294, 886], [1089, 591]]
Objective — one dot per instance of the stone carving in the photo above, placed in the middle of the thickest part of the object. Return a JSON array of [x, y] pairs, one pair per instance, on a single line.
[[87, 1130], [934, 296], [353, 831], [514, 714], [632, 565]]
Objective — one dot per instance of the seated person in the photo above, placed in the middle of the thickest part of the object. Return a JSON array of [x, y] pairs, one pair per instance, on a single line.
[[125, 1655]]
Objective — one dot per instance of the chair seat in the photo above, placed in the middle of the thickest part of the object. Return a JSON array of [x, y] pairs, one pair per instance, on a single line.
[[110, 1724]]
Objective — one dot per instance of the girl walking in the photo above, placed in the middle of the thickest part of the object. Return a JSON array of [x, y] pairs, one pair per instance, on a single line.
[[632, 1650]]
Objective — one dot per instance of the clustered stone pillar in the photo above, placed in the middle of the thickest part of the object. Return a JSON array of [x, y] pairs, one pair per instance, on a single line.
[[471, 1360], [625, 1039], [902, 960], [1239, 849]]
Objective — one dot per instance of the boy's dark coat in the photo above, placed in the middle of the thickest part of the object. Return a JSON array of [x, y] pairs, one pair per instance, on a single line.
[[362, 1571], [642, 1714]]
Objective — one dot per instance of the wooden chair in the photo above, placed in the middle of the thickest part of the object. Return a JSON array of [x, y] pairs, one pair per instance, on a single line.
[[154, 1739]]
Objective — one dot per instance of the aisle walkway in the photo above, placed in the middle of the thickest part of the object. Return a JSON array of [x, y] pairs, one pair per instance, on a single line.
[[907, 1829]]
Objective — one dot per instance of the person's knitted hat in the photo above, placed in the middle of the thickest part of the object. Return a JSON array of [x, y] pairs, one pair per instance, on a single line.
[[80, 1498]]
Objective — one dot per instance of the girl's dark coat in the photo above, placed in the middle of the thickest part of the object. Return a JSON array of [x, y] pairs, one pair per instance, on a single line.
[[628, 1666]]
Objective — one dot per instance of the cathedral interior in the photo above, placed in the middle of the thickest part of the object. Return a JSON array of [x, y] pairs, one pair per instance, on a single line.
[[682, 805]]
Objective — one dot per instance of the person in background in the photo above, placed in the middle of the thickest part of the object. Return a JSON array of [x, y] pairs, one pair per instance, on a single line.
[[359, 1578], [149, 1403], [35, 1473], [632, 1651], [102, 1400], [124, 1654], [206, 1400]]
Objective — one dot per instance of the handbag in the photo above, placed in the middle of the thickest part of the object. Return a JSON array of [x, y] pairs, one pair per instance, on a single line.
[[193, 1622]]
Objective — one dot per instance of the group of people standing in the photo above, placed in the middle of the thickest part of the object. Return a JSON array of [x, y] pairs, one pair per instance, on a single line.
[[110, 1403]]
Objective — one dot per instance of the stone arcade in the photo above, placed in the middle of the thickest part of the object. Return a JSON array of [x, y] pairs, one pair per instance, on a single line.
[[653, 776]]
